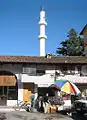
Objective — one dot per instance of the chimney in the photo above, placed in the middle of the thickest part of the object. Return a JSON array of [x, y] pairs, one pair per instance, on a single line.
[[42, 37]]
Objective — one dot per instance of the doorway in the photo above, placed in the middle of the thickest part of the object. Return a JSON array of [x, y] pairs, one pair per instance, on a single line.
[[3, 95], [8, 87]]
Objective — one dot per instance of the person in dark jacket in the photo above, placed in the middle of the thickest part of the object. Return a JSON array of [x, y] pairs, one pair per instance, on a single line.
[[45, 98], [39, 104], [46, 103]]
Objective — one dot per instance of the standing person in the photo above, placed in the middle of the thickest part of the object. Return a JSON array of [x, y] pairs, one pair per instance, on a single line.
[[40, 104], [46, 103], [32, 100]]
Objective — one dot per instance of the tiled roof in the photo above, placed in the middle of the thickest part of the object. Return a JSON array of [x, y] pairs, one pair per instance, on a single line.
[[38, 59]]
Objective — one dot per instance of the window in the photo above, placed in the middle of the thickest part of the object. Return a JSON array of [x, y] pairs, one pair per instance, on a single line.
[[33, 71], [12, 92], [68, 70], [64, 70], [29, 71], [84, 70], [72, 70], [40, 72]]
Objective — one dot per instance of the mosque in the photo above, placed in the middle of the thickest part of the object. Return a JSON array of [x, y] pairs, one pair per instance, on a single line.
[[21, 76]]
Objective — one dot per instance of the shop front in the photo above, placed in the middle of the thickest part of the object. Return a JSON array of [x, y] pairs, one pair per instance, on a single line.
[[37, 85], [8, 89], [28, 90]]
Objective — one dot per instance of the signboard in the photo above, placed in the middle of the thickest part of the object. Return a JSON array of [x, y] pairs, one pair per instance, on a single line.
[[7, 80], [43, 85], [74, 79], [79, 81]]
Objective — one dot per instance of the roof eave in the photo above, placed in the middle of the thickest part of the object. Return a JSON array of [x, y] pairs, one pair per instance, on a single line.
[[81, 33]]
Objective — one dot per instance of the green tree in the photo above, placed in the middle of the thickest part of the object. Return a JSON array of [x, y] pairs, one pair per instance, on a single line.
[[73, 46]]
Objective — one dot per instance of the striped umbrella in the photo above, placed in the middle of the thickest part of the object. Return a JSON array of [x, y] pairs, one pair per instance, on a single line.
[[55, 86], [67, 86]]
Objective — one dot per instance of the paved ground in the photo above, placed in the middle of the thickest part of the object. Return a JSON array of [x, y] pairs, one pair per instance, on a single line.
[[32, 116], [22, 115]]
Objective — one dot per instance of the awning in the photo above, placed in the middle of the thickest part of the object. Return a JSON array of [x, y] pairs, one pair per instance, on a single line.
[[42, 81], [7, 81]]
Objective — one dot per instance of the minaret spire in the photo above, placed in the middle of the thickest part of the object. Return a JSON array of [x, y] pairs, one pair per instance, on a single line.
[[42, 37], [42, 8]]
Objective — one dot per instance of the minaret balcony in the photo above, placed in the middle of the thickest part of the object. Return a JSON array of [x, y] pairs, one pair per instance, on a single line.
[[42, 23], [42, 36]]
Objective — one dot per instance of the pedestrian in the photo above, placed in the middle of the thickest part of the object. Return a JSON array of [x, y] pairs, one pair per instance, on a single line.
[[40, 104], [46, 103]]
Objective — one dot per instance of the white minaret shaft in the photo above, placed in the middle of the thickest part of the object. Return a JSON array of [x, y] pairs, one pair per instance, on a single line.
[[42, 37]]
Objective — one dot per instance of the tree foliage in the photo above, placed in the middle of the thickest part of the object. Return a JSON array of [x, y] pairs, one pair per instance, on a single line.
[[73, 46]]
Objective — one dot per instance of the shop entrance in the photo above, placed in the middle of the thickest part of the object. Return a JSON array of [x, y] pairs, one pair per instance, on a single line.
[[8, 87], [3, 95]]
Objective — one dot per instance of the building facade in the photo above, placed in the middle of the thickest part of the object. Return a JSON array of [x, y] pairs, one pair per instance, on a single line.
[[21, 76]]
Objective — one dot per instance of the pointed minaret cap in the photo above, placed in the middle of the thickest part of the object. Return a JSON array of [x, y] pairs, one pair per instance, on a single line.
[[42, 8], [42, 17]]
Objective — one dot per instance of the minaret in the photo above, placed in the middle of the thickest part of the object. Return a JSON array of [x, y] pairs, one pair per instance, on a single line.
[[42, 37]]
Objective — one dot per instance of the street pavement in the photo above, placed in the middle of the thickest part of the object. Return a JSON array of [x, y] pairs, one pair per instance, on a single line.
[[23, 115]]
